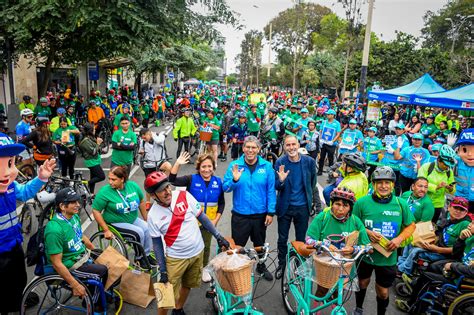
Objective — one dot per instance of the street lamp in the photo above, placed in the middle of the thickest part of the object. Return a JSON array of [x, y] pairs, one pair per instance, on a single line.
[[455, 28]]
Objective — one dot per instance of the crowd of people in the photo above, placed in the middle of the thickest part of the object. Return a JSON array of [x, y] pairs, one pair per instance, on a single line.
[[411, 165]]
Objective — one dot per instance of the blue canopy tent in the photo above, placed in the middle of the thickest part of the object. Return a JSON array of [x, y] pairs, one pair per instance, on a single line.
[[405, 94], [461, 98]]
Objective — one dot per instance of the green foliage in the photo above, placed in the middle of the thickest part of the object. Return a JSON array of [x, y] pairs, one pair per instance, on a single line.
[[232, 79], [250, 57]]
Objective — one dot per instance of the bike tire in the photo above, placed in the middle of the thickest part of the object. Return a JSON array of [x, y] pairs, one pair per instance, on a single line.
[[402, 290], [28, 173], [462, 305], [293, 262], [29, 221], [101, 242]]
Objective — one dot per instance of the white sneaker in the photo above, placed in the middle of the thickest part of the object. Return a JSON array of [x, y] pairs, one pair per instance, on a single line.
[[206, 277]]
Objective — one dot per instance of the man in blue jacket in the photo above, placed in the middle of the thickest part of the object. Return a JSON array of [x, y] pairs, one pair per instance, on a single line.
[[252, 181], [295, 184]]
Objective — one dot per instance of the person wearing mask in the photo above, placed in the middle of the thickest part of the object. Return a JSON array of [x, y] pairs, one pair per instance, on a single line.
[[183, 131], [55, 121], [384, 216], [440, 176], [124, 141], [43, 109], [351, 138], [118, 204], [252, 181], [40, 141], [330, 131], [64, 138], [412, 158], [174, 218], [295, 186], [208, 191], [89, 147]]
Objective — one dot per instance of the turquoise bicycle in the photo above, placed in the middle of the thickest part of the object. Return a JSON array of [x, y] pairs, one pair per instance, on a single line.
[[226, 303], [297, 283]]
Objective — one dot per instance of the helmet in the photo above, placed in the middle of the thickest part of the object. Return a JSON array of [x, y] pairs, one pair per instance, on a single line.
[[344, 194], [384, 172], [242, 115], [43, 100], [356, 161], [26, 112], [466, 137], [273, 110], [42, 120], [26, 98], [156, 182], [61, 111], [46, 197], [447, 155]]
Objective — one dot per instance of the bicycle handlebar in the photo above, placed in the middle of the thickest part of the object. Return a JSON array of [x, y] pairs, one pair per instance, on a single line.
[[65, 179], [253, 252], [319, 245]]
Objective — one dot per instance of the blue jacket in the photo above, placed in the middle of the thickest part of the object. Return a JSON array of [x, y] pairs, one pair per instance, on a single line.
[[464, 180], [254, 193], [284, 189], [10, 227], [238, 131]]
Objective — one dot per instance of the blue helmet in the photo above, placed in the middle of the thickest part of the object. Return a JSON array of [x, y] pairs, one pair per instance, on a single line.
[[466, 137]]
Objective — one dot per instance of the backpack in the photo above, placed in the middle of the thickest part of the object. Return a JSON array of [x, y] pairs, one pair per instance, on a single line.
[[432, 166], [35, 251]]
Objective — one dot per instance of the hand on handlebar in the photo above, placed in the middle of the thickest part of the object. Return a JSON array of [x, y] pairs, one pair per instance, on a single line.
[[223, 243]]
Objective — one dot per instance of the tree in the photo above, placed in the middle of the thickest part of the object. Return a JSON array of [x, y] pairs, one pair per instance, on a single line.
[[250, 57], [292, 31], [232, 79], [65, 32]]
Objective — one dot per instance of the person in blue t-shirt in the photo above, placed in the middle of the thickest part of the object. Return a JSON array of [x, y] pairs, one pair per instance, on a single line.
[[351, 138], [330, 131], [23, 128], [372, 147], [412, 158]]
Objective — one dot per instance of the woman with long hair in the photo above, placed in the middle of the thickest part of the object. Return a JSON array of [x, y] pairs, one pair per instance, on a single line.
[[391, 125], [40, 141], [89, 146], [64, 138], [413, 126]]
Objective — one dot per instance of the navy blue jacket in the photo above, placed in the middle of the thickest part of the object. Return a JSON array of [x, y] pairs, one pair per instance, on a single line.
[[284, 189]]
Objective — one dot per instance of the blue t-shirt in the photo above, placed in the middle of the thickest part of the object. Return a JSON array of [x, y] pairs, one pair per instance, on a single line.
[[329, 131], [22, 130], [349, 140], [371, 145], [408, 165], [298, 195], [389, 158]]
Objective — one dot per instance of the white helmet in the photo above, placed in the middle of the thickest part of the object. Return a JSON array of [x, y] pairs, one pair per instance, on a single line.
[[45, 197], [26, 112]]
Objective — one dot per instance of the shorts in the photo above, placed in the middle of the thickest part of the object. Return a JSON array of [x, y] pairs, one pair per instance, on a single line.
[[212, 142], [186, 272], [384, 275]]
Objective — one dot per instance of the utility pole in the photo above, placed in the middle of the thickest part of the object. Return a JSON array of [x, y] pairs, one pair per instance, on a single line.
[[269, 56], [365, 55]]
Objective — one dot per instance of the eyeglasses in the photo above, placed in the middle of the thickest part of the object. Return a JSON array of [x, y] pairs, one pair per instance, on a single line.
[[29, 117]]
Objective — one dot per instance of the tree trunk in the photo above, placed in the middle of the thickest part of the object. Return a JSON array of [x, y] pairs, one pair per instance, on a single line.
[[294, 73], [346, 69], [47, 72], [256, 70], [138, 84]]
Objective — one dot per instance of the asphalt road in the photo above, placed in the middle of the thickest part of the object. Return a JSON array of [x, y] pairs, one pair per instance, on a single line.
[[268, 296]]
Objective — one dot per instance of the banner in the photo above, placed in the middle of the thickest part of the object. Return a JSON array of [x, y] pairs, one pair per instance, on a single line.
[[373, 111], [255, 98]]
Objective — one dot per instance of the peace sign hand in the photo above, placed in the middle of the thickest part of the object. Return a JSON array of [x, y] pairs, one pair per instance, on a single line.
[[282, 175]]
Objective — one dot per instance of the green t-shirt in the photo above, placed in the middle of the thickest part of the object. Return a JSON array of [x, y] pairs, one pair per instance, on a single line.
[[94, 161], [253, 121], [386, 218], [215, 132], [261, 106], [63, 236], [325, 224], [451, 232], [57, 135], [123, 157], [119, 116], [119, 206], [421, 208], [42, 111]]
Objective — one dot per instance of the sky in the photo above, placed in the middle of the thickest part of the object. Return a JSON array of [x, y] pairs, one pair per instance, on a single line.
[[388, 17]]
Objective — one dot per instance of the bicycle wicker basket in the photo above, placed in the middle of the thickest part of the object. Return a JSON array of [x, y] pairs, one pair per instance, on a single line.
[[205, 136], [328, 270], [237, 281]]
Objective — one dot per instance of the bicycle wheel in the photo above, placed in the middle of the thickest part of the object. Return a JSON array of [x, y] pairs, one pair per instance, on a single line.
[[271, 157], [100, 242], [289, 273], [462, 305], [52, 294], [26, 173], [29, 221]]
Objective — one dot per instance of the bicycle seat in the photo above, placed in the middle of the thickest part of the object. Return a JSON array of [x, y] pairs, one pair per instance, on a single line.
[[301, 248]]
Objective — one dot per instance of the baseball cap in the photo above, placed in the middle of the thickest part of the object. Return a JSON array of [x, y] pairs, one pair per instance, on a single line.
[[67, 194], [400, 126], [304, 110], [331, 112], [352, 121], [8, 147], [373, 129], [418, 136], [61, 111], [436, 147], [460, 202], [43, 100]]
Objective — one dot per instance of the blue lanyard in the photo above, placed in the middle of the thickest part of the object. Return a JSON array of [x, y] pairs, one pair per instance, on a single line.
[[446, 234], [77, 231], [127, 205]]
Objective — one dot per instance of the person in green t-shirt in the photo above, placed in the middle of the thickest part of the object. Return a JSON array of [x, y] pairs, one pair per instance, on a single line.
[[43, 109], [90, 149], [253, 120], [212, 123], [67, 249], [63, 137], [117, 204], [419, 203], [388, 222], [261, 107], [125, 113], [124, 142], [338, 220]]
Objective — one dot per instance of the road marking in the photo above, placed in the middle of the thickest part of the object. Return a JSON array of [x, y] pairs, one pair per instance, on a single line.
[[86, 169], [168, 130]]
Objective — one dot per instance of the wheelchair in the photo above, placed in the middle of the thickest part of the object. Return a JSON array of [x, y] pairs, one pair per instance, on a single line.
[[51, 293], [126, 243]]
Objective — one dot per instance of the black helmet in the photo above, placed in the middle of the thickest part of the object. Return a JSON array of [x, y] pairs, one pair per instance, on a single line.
[[41, 120], [356, 161], [384, 172], [273, 110]]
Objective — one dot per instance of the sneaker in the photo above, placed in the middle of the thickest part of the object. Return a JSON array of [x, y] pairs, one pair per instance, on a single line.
[[358, 311], [279, 271], [402, 305], [206, 276], [320, 173], [263, 272], [220, 156], [224, 158], [178, 312]]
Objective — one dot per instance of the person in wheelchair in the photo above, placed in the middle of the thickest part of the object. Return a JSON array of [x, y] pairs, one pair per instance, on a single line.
[[338, 220], [457, 220], [117, 204], [443, 272], [68, 250]]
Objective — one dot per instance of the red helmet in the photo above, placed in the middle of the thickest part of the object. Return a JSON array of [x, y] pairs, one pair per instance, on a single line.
[[344, 194], [155, 181]]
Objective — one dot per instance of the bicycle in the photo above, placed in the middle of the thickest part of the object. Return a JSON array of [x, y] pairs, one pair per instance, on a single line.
[[297, 286], [267, 153], [224, 302], [105, 134]]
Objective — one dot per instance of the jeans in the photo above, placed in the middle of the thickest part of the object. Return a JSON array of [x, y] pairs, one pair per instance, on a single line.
[[329, 151], [97, 175], [141, 228], [407, 260], [186, 141], [327, 192], [300, 217]]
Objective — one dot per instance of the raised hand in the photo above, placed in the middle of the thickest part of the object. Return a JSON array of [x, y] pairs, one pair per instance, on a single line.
[[400, 142], [417, 157], [282, 175], [46, 170], [451, 139], [183, 158], [236, 172]]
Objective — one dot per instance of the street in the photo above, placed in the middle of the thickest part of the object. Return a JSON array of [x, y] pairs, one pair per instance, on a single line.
[[268, 297]]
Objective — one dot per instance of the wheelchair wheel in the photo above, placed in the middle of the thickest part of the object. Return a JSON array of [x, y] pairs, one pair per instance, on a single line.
[[462, 305], [100, 242], [289, 273], [402, 290], [52, 294], [29, 220]]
